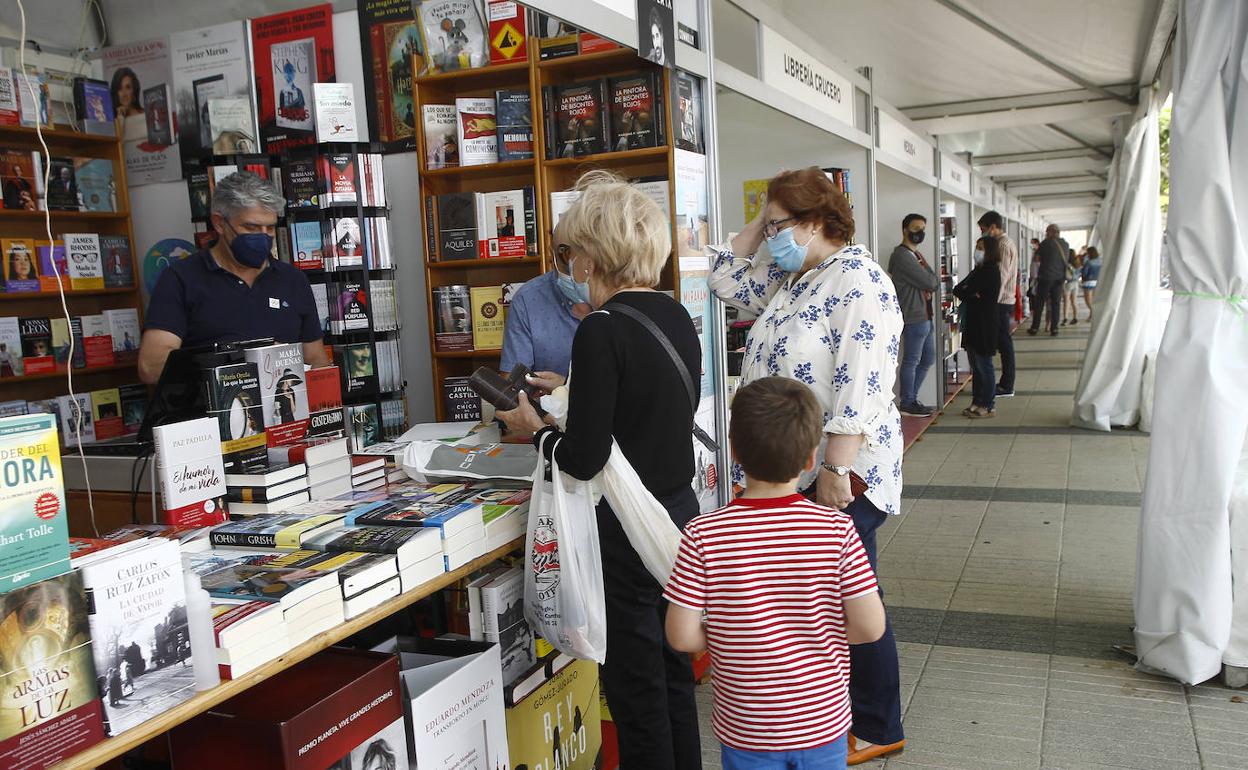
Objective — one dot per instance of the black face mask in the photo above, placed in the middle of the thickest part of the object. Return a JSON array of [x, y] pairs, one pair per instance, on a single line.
[[917, 238]]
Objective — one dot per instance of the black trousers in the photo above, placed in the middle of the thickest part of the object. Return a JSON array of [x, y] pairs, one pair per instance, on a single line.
[[649, 686], [1048, 293], [1005, 345]]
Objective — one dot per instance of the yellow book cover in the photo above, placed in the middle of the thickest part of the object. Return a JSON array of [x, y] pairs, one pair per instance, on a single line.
[[489, 317], [755, 197], [558, 725]]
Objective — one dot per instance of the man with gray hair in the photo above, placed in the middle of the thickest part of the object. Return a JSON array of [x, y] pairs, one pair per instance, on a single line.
[[234, 290]]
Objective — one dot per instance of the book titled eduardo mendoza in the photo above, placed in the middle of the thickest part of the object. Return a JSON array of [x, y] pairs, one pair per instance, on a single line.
[[34, 532]]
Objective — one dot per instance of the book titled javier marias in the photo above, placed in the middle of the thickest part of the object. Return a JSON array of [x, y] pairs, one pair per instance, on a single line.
[[34, 531]]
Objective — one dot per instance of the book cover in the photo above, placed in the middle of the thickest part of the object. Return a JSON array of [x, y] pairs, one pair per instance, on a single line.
[[477, 131], [34, 526], [51, 705], [21, 179], [515, 124], [352, 307], [86, 266], [132, 70], [180, 442], [307, 249], [97, 341], [687, 112], [283, 393], [560, 718], [62, 185], [96, 187], [260, 582], [460, 403], [313, 452], [452, 35], [94, 106], [508, 31], [348, 244], [207, 63], [579, 113], [390, 40], [106, 412], [292, 51], [133, 405], [488, 317], [634, 104], [501, 230], [299, 182], [335, 112], [410, 544], [123, 327], [229, 125], [21, 266], [118, 263], [441, 135], [284, 532], [359, 372], [10, 108], [234, 400], [339, 174], [33, 109], [36, 336], [452, 319], [327, 423], [77, 424], [140, 640], [11, 364], [457, 226], [158, 115], [502, 608], [63, 334], [556, 38], [363, 426], [324, 388], [199, 195], [591, 43], [53, 266]]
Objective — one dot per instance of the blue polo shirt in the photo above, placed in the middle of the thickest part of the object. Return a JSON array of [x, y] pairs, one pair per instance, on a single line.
[[201, 302], [540, 327]]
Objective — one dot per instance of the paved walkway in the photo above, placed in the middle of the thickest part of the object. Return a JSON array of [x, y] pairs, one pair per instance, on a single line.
[[1008, 577]]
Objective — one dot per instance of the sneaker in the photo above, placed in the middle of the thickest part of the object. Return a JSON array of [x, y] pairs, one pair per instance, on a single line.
[[979, 413], [1053, 333], [1003, 393], [1033, 332], [1075, 321], [1064, 322], [916, 409]]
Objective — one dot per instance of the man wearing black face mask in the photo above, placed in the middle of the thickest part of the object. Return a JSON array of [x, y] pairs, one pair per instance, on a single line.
[[234, 290], [915, 282]]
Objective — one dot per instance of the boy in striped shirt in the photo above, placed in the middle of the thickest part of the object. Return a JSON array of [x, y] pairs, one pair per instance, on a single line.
[[785, 587]]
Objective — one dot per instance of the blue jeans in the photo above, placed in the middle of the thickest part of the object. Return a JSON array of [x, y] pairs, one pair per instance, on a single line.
[[918, 353], [983, 380], [829, 756]]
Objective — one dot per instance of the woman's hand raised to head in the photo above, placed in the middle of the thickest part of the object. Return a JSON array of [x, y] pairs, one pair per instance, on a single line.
[[522, 419]]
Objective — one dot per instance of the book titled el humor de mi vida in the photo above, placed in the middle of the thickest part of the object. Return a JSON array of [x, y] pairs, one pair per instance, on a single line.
[[34, 530]]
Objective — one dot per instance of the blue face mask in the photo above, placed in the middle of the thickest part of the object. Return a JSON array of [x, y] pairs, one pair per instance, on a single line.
[[252, 249], [573, 291], [785, 250]]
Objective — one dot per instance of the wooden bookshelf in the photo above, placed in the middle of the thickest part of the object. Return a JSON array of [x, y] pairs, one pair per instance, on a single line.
[[31, 224], [114, 747], [544, 175]]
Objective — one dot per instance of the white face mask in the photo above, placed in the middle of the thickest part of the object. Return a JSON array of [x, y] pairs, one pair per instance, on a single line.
[[979, 256]]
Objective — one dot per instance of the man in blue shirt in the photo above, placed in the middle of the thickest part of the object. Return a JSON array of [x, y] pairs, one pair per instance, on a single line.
[[235, 290], [543, 319]]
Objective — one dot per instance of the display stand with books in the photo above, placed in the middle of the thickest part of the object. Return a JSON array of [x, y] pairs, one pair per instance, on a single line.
[[90, 209], [498, 148]]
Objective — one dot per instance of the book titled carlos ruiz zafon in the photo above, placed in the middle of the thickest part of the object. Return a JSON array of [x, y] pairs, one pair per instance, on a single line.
[[34, 532]]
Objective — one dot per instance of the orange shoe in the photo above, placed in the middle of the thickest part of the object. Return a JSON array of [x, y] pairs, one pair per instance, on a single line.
[[857, 756]]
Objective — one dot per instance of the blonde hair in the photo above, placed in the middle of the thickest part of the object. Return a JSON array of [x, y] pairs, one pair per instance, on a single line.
[[620, 228]]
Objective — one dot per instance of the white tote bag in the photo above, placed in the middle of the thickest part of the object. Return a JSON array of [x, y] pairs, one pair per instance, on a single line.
[[563, 594]]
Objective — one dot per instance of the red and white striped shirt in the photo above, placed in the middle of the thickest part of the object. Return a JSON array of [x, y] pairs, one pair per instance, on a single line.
[[773, 576]]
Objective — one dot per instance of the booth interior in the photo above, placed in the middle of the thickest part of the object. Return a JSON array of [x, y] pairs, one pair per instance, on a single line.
[[956, 247]]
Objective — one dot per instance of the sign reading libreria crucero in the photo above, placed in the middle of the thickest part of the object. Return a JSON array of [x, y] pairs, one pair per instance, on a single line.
[[789, 68]]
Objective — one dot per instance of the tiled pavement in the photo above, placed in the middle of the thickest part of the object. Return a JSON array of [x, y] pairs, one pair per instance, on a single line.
[[1008, 577]]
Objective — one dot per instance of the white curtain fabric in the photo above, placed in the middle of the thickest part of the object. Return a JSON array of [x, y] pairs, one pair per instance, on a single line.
[[1125, 308], [1184, 595]]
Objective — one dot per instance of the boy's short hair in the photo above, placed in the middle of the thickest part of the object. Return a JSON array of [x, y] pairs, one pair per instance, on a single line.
[[775, 424]]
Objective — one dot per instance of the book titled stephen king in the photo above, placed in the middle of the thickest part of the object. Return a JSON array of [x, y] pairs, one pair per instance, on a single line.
[[359, 371], [86, 267], [338, 179], [452, 318], [292, 66], [363, 426], [460, 403], [118, 264], [137, 602], [580, 119], [159, 118], [292, 51], [477, 131], [37, 354], [234, 399], [457, 226], [634, 112], [515, 124], [62, 185], [299, 183], [51, 706], [390, 39], [441, 136]]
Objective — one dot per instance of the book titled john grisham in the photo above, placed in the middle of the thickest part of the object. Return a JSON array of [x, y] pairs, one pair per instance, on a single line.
[[34, 531]]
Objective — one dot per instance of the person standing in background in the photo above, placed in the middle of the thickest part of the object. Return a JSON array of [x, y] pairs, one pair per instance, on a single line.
[[993, 224], [915, 281], [1090, 274], [1033, 278], [1050, 277], [1074, 273], [979, 328]]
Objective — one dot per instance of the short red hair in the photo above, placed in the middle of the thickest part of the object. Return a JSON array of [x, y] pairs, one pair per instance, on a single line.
[[811, 197]]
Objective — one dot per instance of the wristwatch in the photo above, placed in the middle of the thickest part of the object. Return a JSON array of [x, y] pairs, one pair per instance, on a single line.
[[839, 470]]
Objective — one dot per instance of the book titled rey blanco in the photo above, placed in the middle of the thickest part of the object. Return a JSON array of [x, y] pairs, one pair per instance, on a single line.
[[34, 530], [86, 265], [335, 112], [136, 602]]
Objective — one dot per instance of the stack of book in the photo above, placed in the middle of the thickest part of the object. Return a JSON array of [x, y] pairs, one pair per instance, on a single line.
[[248, 634], [105, 413], [367, 471], [475, 225], [505, 514], [327, 462], [192, 476], [366, 579], [275, 490], [496, 614], [283, 391], [324, 387], [235, 400], [416, 550]]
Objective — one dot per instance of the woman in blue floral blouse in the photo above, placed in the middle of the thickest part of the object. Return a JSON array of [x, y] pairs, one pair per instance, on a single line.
[[828, 316]]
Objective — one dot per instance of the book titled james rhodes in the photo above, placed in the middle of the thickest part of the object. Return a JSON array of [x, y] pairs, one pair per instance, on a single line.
[[234, 400], [50, 701], [283, 391], [34, 531], [136, 602], [86, 265]]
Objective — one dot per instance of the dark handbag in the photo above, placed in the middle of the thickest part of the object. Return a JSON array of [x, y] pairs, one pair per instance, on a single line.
[[857, 485], [667, 345]]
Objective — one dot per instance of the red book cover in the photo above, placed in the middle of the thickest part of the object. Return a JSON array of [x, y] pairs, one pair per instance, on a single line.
[[307, 717], [291, 50], [579, 113], [109, 427], [206, 513], [98, 350], [591, 43], [390, 37], [338, 178], [324, 388], [508, 31]]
